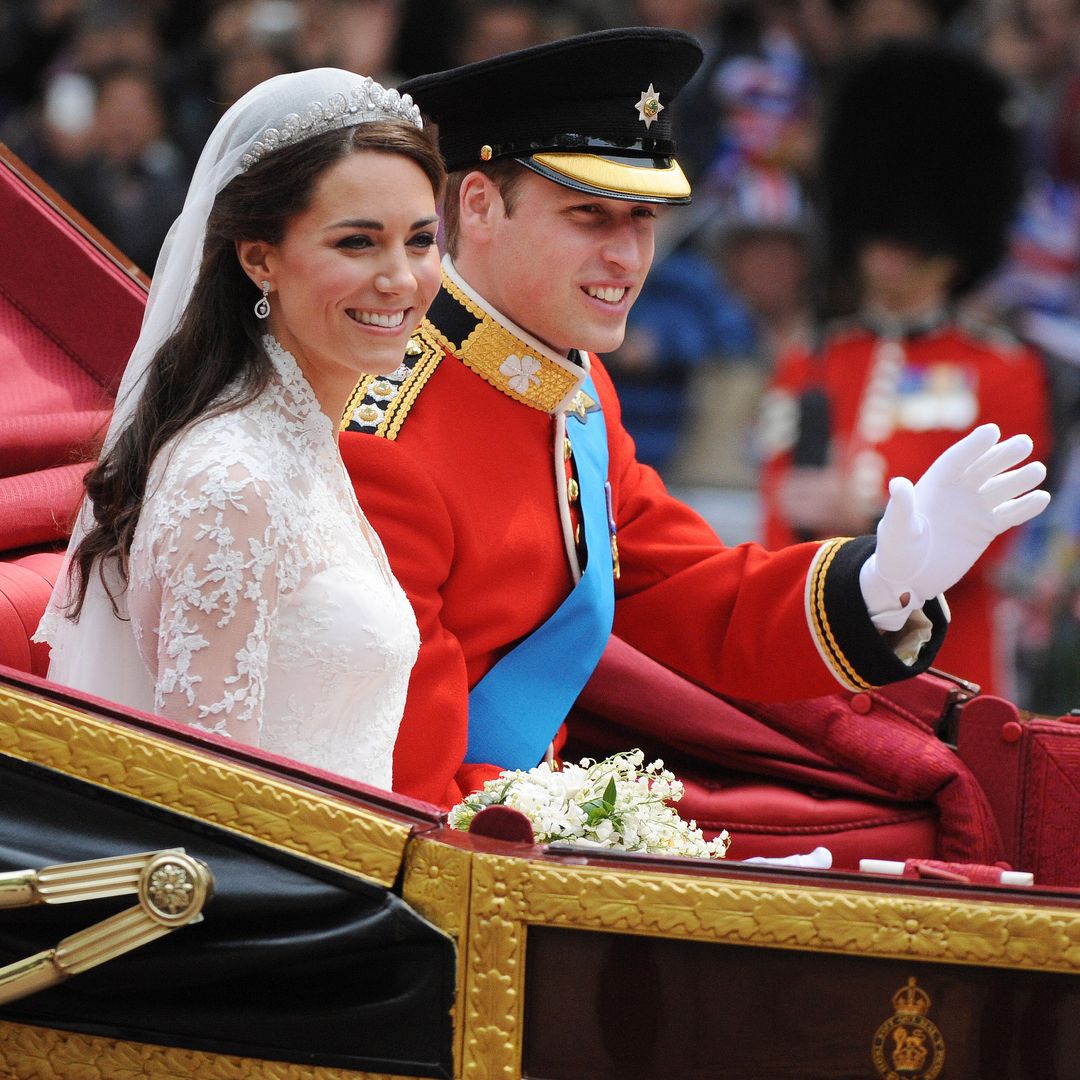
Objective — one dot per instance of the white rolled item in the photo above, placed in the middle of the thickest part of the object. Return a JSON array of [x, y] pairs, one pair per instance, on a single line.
[[818, 859], [896, 869]]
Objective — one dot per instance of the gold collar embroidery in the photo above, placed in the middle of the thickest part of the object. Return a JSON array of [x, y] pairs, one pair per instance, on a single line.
[[526, 372]]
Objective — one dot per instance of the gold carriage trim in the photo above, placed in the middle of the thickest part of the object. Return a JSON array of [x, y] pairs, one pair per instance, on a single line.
[[510, 895], [380, 403], [502, 359], [826, 641], [65, 1053], [242, 800]]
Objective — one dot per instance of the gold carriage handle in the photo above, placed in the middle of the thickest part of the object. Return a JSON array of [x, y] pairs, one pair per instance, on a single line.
[[172, 888]]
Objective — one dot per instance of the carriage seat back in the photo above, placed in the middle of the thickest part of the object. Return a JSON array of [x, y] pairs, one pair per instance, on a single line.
[[36, 510], [26, 583]]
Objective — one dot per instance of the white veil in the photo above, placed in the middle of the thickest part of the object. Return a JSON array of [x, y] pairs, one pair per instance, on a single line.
[[98, 653]]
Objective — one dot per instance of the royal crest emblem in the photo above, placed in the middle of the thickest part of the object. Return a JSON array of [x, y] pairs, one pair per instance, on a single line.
[[909, 1046]]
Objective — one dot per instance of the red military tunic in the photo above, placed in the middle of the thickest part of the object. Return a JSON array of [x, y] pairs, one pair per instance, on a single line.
[[895, 404], [458, 463]]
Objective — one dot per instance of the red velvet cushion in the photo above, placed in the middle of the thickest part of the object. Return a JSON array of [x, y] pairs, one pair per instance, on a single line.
[[769, 818], [25, 586], [38, 508], [34, 441], [41, 380]]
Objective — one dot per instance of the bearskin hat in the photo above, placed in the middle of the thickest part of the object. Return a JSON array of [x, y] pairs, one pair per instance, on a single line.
[[919, 149], [942, 11]]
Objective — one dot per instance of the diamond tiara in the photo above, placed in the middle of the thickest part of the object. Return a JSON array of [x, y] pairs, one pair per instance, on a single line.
[[361, 105]]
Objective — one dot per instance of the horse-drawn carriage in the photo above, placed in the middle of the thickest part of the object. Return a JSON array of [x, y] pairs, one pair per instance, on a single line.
[[178, 905]]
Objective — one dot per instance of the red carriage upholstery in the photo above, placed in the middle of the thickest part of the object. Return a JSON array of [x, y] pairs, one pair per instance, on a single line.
[[70, 307], [25, 585]]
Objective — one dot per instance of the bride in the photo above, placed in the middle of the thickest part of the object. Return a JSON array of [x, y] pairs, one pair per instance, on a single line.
[[221, 572]]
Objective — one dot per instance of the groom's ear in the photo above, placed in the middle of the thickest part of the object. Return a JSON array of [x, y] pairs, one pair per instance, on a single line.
[[254, 257], [479, 202]]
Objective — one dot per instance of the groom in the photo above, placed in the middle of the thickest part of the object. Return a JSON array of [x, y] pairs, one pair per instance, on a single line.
[[495, 468]]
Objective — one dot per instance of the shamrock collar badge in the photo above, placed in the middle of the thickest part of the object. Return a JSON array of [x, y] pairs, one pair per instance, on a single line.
[[648, 106], [521, 372]]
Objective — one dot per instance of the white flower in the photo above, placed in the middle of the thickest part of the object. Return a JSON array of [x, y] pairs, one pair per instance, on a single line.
[[619, 803], [521, 372]]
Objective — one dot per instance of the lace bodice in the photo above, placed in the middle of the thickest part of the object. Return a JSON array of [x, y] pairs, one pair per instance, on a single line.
[[261, 600]]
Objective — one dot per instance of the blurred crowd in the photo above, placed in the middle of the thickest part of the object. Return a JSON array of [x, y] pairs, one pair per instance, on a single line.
[[111, 100]]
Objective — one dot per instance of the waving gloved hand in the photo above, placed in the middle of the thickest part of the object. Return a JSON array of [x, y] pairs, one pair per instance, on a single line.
[[932, 532]]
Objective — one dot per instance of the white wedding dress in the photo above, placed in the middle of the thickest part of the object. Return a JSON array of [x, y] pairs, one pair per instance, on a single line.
[[261, 601]]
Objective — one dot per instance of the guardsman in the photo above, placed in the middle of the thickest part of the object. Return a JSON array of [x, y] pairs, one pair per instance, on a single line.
[[922, 176], [495, 468]]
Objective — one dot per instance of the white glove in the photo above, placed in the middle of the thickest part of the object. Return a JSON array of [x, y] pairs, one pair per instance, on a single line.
[[932, 533]]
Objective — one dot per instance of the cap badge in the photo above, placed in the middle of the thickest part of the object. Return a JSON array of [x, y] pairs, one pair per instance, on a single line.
[[648, 106]]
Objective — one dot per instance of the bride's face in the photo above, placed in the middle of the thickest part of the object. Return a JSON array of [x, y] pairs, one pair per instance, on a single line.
[[356, 271]]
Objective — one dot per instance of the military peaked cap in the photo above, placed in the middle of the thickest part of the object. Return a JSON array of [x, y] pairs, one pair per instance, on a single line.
[[589, 112]]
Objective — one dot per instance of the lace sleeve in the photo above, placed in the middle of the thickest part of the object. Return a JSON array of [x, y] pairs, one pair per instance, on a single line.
[[211, 594]]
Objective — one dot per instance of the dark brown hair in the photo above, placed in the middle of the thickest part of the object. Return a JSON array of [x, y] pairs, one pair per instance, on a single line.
[[213, 361], [506, 174]]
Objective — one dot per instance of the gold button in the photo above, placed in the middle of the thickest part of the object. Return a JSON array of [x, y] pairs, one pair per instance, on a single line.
[[572, 490], [368, 414], [577, 534], [381, 388], [567, 450], [485, 152], [413, 348]]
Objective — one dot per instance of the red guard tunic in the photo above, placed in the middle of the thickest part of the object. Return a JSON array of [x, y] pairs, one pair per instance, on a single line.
[[896, 402], [458, 461]]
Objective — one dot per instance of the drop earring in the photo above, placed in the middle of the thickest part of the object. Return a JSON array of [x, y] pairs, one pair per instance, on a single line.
[[262, 305]]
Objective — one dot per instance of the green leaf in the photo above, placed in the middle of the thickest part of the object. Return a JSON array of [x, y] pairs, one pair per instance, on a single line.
[[595, 810], [609, 794]]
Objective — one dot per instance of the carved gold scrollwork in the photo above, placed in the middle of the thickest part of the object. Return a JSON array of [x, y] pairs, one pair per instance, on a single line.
[[495, 955], [60, 1055], [437, 883], [713, 908], [509, 895], [191, 782]]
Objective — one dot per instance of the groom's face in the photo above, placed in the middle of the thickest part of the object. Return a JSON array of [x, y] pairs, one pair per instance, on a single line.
[[567, 266]]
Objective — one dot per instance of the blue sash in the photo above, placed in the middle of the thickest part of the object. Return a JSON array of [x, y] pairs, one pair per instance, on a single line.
[[516, 708]]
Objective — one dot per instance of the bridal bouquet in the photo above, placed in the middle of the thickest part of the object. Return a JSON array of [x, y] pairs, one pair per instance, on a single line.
[[618, 803]]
